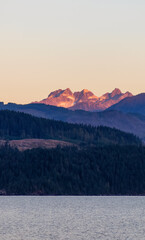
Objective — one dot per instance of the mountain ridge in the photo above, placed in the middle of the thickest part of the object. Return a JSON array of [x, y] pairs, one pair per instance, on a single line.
[[135, 104], [84, 100], [126, 122]]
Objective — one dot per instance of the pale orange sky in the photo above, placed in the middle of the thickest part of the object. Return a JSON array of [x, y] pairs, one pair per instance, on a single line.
[[93, 44]]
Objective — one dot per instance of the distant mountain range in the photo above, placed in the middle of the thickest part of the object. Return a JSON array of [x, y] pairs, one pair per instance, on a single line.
[[127, 115], [101, 161], [84, 100]]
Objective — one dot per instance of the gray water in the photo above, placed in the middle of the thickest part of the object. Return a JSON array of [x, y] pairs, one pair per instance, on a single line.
[[72, 218]]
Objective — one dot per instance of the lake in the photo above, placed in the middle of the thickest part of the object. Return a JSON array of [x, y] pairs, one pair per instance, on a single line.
[[72, 218]]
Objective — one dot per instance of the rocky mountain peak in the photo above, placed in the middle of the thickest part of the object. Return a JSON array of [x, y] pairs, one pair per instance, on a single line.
[[115, 92], [55, 93], [67, 91], [87, 92], [84, 99], [128, 94]]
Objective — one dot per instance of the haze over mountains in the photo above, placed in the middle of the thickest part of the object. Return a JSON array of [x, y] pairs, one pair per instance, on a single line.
[[84, 100]]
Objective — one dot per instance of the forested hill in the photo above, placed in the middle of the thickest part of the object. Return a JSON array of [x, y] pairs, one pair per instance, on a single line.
[[108, 170], [107, 161], [126, 122], [16, 125]]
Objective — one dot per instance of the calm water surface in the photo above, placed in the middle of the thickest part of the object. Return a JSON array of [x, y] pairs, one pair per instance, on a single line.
[[72, 218]]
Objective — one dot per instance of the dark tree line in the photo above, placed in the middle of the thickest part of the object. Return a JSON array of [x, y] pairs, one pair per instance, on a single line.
[[110, 162], [108, 170]]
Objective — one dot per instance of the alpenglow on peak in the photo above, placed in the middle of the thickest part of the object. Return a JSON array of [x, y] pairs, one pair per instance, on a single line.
[[84, 100]]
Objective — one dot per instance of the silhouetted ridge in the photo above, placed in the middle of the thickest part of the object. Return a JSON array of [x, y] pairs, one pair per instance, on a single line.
[[14, 125], [135, 104]]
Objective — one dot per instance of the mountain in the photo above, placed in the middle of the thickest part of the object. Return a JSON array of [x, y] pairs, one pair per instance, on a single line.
[[60, 98], [135, 104], [84, 100], [123, 121]]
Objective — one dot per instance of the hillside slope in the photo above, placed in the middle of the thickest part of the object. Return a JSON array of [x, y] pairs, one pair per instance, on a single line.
[[135, 104], [15, 126], [108, 170], [123, 121], [28, 143]]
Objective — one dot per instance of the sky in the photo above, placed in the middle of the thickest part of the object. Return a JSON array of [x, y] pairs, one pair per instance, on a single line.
[[51, 44]]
